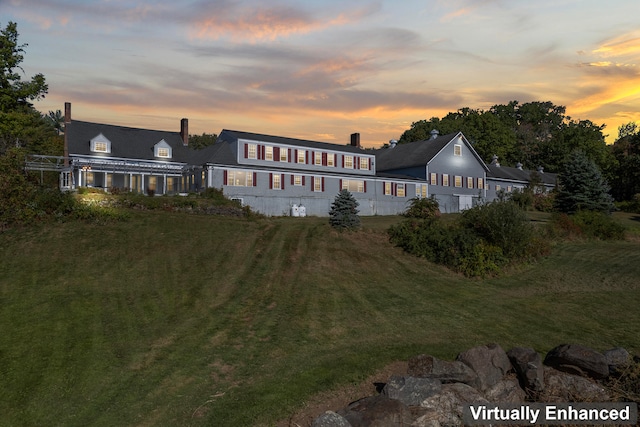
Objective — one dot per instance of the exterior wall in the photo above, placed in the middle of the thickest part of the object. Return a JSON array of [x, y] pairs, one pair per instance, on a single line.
[[339, 166], [263, 198], [466, 165]]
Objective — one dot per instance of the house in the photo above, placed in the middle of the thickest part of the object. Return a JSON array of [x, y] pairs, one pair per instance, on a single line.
[[276, 175]]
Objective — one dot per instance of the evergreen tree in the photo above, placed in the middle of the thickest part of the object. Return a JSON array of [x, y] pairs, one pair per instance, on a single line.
[[582, 187], [344, 212]]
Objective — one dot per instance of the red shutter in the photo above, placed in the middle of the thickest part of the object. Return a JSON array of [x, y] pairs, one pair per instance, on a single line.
[[282, 182], [365, 186], [264, 151], [342, 160], [289, 159], [270, 181], [246, 151], [291, 179], [225, 177], [340, 187], [276, 154], [306, 157], [255, 178], [369, 164], [323, 183], [394, 189], [324, 159], [296, 153], [303, 180]]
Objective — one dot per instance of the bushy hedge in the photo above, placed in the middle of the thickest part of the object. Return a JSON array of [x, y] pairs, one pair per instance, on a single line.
[[585, 224], [482, 241]]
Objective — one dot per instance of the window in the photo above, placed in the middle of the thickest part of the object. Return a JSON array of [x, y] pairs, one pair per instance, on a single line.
[[297, 180], [163, 152], [240, 178], [469, 182], [498, 187], [109, 183], [400, 190], [480, 183], [252, 151], [353, 185], [317, 158], [89, 178], [276, 183], [100, 147], [100, 144], [302, 156], [458, 181], [364, 163], [317, 184], [421, 190], [331, 159], [284, 155], [268, 153], [457, 150], [348, 162], [152, 181], [433, 178], [509, 188], [387, 188], [445, 180]]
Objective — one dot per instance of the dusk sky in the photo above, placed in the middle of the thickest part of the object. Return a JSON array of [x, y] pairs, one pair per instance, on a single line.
[[321, 70]]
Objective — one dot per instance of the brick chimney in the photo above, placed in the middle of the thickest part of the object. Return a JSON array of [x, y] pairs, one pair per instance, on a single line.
[[355, 140], [184, 131], [67, 120]]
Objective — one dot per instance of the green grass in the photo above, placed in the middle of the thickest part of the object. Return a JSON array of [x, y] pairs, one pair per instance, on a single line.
[[177, 319]]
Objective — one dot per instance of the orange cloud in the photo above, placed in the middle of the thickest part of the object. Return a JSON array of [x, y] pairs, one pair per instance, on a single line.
[[627, 44], [265, 24]]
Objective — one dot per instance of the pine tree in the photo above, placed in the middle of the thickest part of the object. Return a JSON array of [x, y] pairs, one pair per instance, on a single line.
[[582, 187], [344, 212]]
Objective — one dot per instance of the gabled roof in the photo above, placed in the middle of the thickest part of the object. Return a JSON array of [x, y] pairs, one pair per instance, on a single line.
[[418, 153], [126, 142], [516, 174], [233, 135]]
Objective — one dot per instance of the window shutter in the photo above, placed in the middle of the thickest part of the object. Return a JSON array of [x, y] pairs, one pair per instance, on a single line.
[[291, 179], [323, 183], [306, 157], [303, 180], [276, 154], [255, 178], [296, 154], [340, 189], [282, 182], [270, 181], [394, 189], [369, 164], [365, 186], [342, 160], [246, 151], [356, 162], [225, 177], [289, 155], [324, 159]]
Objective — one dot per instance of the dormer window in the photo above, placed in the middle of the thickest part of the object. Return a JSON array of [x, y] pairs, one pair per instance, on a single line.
[[162, 150], [100, 144]]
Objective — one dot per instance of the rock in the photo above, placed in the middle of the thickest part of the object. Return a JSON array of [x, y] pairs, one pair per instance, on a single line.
[[528, 366], [618, 359], [579, 360], [447, 406], [330, 419], [377, 411], [411, 390], [425, 366], [506, 390], [564, 387], [489, 362]]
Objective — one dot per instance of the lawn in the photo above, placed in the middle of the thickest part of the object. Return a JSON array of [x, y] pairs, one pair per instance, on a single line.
[[178, 319]]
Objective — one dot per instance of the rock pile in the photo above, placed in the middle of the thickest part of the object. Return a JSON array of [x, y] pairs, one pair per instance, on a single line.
[[434, 391]]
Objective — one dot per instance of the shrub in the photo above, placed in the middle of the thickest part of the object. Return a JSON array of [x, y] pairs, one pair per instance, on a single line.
[[522, 198], [500, 224], [344, 213], [423, 208], [590, 224], [544, 202], [631, 206]]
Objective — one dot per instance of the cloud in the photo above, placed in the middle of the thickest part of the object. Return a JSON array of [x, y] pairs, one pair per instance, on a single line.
[[263, 21]]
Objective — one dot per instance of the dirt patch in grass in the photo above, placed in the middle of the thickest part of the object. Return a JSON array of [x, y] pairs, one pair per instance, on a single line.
[[337, 399]]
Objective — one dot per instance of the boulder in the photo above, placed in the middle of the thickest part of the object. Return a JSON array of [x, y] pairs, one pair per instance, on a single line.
[[507, 390], [528, 366], [579, 360], [563, 387], [411, 390], [377, 411], [618, 359], [446, 408], [489, 362], [330, 419], [425, 366]]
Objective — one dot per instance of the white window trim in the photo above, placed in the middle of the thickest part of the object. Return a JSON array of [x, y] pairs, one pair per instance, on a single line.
[[457, 149], [100, 139]]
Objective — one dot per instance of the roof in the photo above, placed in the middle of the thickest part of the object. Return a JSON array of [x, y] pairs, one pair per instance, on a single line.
[[233, 135], [127, 142], [417, 153], [516, 174]]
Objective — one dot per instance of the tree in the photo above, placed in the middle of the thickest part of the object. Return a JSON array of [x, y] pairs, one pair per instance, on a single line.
[[344, 212], [582, 187], [626, 171], [56, 118], [201, 141], [21, 125]]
